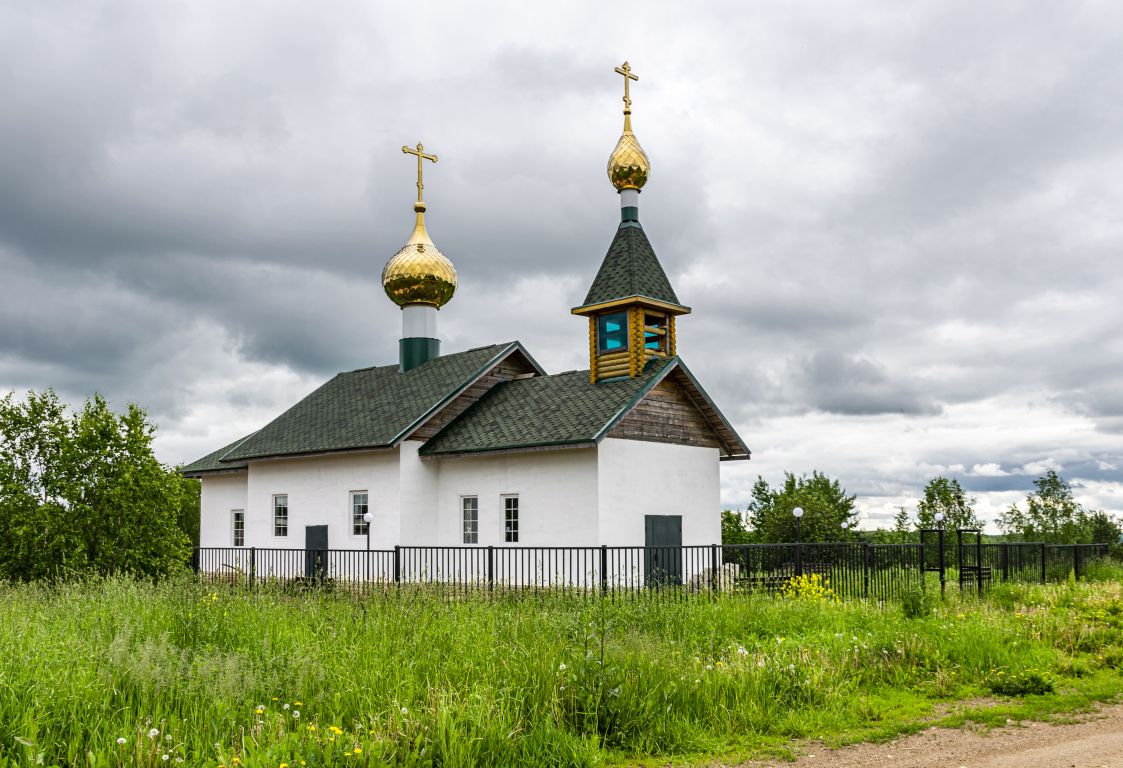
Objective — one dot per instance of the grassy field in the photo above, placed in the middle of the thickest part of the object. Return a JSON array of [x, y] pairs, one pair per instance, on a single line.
[[116, 672]]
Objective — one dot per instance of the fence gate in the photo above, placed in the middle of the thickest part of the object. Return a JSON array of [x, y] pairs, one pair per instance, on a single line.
[[971, 565], [933, 558]]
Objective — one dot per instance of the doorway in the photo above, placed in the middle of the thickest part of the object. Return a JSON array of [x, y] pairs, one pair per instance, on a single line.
[[662, 560], [316, 551]]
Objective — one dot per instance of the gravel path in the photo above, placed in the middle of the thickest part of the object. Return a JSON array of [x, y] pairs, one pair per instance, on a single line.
[[1096, 742]]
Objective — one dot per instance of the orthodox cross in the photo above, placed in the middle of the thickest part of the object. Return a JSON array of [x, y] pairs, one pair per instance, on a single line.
[[420, 152], [626, 71]]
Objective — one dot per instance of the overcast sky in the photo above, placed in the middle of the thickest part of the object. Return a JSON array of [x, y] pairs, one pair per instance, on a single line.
[[899, 224]]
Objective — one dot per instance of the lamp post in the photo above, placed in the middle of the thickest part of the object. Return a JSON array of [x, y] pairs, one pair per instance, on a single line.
[[797, 513], [845, 527], [940, 535], [367, 518]]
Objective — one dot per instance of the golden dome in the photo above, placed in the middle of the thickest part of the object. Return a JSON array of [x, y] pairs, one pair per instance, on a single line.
[[628, 166], [419, 273]]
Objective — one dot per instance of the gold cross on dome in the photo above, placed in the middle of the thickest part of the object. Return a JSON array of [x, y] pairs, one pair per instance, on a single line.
[[626, 71], [420, 152]]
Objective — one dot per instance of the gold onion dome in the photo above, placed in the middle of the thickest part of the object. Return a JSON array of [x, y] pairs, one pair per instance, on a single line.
[[628, 166], [419, 273]]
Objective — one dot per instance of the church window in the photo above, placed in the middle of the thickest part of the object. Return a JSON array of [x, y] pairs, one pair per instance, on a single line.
[[511, 519], [239, 528], [281, 515], [470, 506], [359, 508], [612, 332], [655, 333]]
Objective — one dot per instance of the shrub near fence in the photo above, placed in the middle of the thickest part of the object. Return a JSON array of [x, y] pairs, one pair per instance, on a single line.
[[853, 570]]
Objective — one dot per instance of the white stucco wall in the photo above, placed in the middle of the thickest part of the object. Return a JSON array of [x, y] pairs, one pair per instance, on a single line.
[[636, 478], [319, 490], [557, 493], [220, 496], [418, 496]]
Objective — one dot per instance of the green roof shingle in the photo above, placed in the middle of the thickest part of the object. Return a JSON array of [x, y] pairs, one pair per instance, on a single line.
[[211, 463], [542, 411], [630, 268], [367, 408]]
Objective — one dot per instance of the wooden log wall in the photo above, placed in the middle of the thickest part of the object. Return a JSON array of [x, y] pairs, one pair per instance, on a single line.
[[667, 415]]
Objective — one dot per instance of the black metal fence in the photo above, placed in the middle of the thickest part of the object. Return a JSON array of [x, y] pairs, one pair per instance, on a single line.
[[858, 569]]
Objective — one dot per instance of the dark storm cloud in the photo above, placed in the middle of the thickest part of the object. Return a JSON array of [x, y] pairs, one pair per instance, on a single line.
[[888, 219]]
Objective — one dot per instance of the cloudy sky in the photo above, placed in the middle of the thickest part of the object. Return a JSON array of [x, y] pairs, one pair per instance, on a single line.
[[899, 224]]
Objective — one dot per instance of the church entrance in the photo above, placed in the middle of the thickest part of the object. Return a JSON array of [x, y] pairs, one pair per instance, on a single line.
[[316, 551], [662, 555]]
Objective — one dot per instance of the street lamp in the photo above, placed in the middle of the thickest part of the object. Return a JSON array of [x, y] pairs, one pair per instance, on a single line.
[[798, 514], [367, 518], [943, 561], [845, 527]]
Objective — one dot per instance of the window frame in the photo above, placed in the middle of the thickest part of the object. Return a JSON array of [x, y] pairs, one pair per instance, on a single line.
[[358, 521], [474, 530], [285, 534], [601, 321], [510, 533], [661, 341], [234, 531]]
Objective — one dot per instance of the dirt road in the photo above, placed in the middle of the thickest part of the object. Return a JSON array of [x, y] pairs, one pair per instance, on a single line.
[[1096, 742]]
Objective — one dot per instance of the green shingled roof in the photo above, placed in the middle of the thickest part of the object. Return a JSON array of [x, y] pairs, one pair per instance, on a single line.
[[211, 463], [630, 268], [563, 409], [368, 408]]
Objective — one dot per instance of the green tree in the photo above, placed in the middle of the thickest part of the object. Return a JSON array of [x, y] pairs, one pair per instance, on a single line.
[[1103, 529], [733, 529], [825, 505], [903, 529], [946, 495], [1051, 514], [82, 492]]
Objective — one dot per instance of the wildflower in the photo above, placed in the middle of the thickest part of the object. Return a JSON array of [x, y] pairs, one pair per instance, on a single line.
[[154, 733], [179, 759], [298, 703], [285, 706], [562, 667], [405, 711], [709, 667], [235, 761], [167, 737], [791, 667], [166, 757], [311, 728], [741, 651], [336, 730], [358, 750], [283, 765], [296, 714], [120, 739], [779, 640], [259, 708]]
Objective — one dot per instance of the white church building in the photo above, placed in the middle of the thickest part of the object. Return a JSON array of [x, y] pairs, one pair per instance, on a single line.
[[483, 447]]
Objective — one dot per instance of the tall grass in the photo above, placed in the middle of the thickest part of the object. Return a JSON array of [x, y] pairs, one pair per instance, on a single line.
[[227, 677]]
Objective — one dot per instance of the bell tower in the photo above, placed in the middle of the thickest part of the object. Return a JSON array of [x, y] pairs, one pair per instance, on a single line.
[[631, 305]]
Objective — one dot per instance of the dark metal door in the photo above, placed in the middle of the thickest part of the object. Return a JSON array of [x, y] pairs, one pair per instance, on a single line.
[[662, 560], [316, 551]]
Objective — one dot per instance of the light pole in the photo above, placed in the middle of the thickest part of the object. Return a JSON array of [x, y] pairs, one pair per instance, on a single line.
[[845, 527], [798, 514], [943, 565], [367, 518]]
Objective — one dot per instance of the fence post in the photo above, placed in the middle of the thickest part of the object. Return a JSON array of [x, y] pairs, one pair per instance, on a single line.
[[1005, 561], [397, 564], [604, 569], [1043, 575], [979, 559], [1076, 561], [866, 569], [713, 568], [490, 567], [253, 565]]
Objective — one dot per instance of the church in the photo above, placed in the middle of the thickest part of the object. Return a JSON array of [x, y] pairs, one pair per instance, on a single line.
[[484, 447]]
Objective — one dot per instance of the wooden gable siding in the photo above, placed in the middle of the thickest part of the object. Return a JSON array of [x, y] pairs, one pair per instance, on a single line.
[[513, 366], [667, 415]]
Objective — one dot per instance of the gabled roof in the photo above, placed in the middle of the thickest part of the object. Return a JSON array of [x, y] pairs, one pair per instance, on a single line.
[[210, 463], [567, 410], [631, 269], [364, 409]]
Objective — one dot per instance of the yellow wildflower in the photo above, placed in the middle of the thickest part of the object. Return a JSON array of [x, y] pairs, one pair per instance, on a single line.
[[283, 765], [358, 750], [336, 730]]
